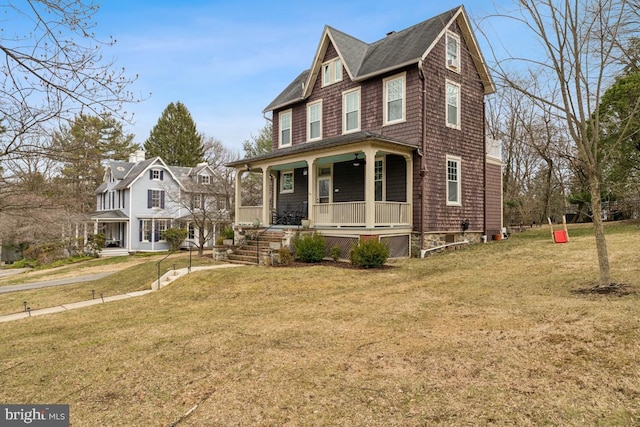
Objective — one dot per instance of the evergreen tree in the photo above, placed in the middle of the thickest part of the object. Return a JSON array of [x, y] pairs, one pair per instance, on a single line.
[[175, 138], [81, 149]]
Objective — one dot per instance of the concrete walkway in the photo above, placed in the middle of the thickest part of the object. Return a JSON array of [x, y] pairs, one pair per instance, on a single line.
[[164, 281]]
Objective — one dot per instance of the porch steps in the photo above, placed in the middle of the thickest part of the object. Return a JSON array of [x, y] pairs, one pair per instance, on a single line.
[[249, 254], [111, 252]]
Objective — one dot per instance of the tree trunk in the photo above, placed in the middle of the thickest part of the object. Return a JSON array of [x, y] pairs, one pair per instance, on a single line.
[[598, 226]]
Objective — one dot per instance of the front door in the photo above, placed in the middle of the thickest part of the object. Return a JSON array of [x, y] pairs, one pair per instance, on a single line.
[[324, 185]]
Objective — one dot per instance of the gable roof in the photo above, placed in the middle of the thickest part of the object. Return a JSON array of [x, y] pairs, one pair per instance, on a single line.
[[396, 50]]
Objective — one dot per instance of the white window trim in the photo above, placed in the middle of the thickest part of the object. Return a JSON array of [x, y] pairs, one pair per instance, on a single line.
[[282, 190], [309, 106], [328, 177], [458, 161], [456, 65], [385, 110], [446, 105], [332, 67], [159, 192], [145, 230], [155, 172], [344, 111], [384, 178], [281, 114], [167, 225]]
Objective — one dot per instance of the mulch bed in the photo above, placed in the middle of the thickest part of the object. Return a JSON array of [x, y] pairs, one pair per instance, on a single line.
[[614, 289]]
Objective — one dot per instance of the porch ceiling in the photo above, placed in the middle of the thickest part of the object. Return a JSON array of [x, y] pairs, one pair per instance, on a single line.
[[325, 144]]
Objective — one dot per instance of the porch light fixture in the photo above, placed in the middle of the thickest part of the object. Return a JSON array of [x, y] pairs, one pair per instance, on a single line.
[[357, 162]]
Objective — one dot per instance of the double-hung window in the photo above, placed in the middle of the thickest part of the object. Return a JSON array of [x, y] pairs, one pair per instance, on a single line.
[[286, 182], [285, 128], [454, 181], [351, 111], [145, 230], [453, 105], [161, 226], [378, 180], [453, 51], [394, 99], [155, 199], [331, 72], [314, 121]]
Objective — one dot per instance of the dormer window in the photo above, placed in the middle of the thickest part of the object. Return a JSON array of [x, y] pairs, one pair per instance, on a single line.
[[156, 175], [453, 51], [331, 72], [204, 179]]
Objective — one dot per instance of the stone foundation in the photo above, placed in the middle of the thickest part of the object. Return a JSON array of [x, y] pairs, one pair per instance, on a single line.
[[434, 240]]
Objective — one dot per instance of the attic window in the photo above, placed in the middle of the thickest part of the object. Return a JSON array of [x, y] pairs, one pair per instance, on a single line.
[[331, 72], [453, 51]]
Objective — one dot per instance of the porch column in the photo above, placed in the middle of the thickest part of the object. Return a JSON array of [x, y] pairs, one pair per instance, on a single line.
[[238, 193], [266, 207], [409, 161], [369, 187], [312, 188]]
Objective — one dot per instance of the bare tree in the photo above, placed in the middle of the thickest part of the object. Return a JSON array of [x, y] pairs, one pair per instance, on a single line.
[[217, 155], [52, 71], [581, 42]]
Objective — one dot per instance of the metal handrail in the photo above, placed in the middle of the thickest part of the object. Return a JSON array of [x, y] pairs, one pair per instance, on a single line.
[[158, 264], [258, 242]]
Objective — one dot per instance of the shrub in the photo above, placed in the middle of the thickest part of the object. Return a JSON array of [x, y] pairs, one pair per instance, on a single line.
[[369, 254], [175, 237], [336, 252], [309, 247], [94, 245], [226, 232]]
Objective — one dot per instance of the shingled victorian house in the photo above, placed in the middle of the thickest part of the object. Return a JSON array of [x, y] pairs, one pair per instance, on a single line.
[[384, 140]]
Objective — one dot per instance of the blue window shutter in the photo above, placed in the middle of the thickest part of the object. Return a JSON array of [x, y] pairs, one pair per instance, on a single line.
[[150, 174], [141, 230], [162, 199], [161, 175], [149, 199]]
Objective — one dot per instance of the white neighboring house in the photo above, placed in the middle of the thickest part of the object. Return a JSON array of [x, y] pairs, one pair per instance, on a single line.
[[139, 199]]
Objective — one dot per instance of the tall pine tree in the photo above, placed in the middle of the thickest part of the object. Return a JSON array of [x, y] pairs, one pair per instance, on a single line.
[[81, 149], [175, 138]]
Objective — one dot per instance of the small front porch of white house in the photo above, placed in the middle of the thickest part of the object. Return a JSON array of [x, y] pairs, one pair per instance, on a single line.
[[364, 187]]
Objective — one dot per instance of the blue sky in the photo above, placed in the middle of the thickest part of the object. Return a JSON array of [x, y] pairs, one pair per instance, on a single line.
[[227, 60]]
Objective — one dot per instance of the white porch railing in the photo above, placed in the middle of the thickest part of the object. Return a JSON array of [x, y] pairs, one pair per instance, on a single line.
[[347, 214], [354, 214], [392, 213], [247, 214]]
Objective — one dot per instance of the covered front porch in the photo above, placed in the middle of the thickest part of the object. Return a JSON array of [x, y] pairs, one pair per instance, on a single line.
[[365, 185], [114, 224]]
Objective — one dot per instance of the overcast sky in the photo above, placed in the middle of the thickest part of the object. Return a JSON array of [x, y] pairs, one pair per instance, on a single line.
[[227, 60]]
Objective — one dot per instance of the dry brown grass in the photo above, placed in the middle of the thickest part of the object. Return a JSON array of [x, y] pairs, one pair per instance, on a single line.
[[490, 335]]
